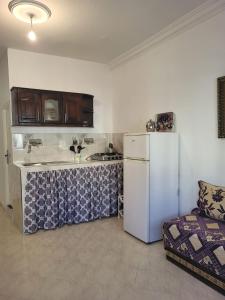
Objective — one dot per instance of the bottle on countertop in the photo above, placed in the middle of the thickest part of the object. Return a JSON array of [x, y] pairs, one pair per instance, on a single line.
[[111, 149]]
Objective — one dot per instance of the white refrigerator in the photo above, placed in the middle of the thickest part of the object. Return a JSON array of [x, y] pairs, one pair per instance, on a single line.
[[150, 183]]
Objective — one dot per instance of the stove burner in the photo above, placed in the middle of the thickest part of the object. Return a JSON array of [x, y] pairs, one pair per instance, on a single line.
[[107, 156]]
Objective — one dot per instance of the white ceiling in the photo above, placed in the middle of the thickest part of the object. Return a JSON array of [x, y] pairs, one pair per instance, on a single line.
[[96, 30]]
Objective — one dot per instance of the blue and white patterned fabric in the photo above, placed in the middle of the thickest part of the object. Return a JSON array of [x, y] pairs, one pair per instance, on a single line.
[[71, 196]]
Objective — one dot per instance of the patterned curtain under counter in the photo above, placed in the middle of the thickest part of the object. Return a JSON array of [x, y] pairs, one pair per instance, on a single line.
[[71, 196]]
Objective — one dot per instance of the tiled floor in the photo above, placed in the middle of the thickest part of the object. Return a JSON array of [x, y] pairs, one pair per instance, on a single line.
[[93, 261]]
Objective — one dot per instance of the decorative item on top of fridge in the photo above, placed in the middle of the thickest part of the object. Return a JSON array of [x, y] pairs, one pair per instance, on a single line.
[[165, 122], [150, 126]]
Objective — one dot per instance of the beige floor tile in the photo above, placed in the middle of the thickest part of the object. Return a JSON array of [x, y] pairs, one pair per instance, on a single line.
[[94, 261]]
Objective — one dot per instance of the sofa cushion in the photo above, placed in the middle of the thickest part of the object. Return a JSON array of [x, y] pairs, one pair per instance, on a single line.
[[212, 200], [199, 239]]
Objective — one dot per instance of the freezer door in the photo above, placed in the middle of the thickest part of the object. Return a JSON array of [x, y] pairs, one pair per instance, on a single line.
[[136, 146], [136, 198]]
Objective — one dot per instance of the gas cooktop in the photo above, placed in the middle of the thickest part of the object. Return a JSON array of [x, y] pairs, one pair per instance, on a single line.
[[107, 156]]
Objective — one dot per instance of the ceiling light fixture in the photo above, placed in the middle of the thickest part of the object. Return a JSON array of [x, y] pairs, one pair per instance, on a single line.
[[31, 34], [30, 11]]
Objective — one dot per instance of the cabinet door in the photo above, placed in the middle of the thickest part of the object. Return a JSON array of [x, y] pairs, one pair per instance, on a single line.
[[72, 108], [29, 106], [52, 108], [86, 111]]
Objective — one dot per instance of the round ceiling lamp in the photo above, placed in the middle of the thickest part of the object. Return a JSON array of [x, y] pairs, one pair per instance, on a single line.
[[22, 9], [30, 11]]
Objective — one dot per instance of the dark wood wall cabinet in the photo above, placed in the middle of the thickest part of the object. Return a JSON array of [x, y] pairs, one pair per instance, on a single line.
[[32, 107]]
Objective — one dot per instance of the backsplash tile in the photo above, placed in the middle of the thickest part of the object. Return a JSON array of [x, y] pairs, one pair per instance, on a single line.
[[55, 146], [117, 140]]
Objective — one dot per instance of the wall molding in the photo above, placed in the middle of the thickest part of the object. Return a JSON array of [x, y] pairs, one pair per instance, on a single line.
[[200, 14]]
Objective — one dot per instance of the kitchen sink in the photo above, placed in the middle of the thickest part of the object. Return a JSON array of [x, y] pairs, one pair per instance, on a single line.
[[46, 163], [33, 164], [53, 163]]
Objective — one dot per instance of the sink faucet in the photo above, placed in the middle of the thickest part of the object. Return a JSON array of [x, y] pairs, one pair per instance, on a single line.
[[34, 143]]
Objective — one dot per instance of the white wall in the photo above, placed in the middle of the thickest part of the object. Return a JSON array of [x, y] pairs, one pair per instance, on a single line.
[[180, 76], [4, 105], [32, 70], [4, 80]]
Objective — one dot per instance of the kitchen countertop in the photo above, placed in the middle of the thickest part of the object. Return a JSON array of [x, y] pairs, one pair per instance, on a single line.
[[66, 165]]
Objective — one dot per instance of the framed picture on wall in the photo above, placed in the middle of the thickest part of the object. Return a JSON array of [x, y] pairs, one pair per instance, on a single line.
[[221, 106]]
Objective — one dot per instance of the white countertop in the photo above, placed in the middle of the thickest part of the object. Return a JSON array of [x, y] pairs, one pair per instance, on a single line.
[[60, 166]]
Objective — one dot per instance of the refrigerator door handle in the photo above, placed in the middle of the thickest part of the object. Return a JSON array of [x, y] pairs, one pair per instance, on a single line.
[[132, 158]]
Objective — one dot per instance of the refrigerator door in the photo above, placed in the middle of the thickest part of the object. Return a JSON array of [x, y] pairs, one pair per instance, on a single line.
[[136, 146], [163, 181], [136, 198]]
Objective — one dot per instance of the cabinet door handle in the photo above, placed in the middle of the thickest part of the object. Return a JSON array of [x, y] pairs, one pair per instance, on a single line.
[[65, 117], [38, 116]]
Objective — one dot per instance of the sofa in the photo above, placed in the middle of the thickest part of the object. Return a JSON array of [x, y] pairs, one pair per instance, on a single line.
[[196, 241]]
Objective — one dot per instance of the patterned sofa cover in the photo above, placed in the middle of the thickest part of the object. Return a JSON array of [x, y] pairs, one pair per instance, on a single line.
[[197, 244]]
